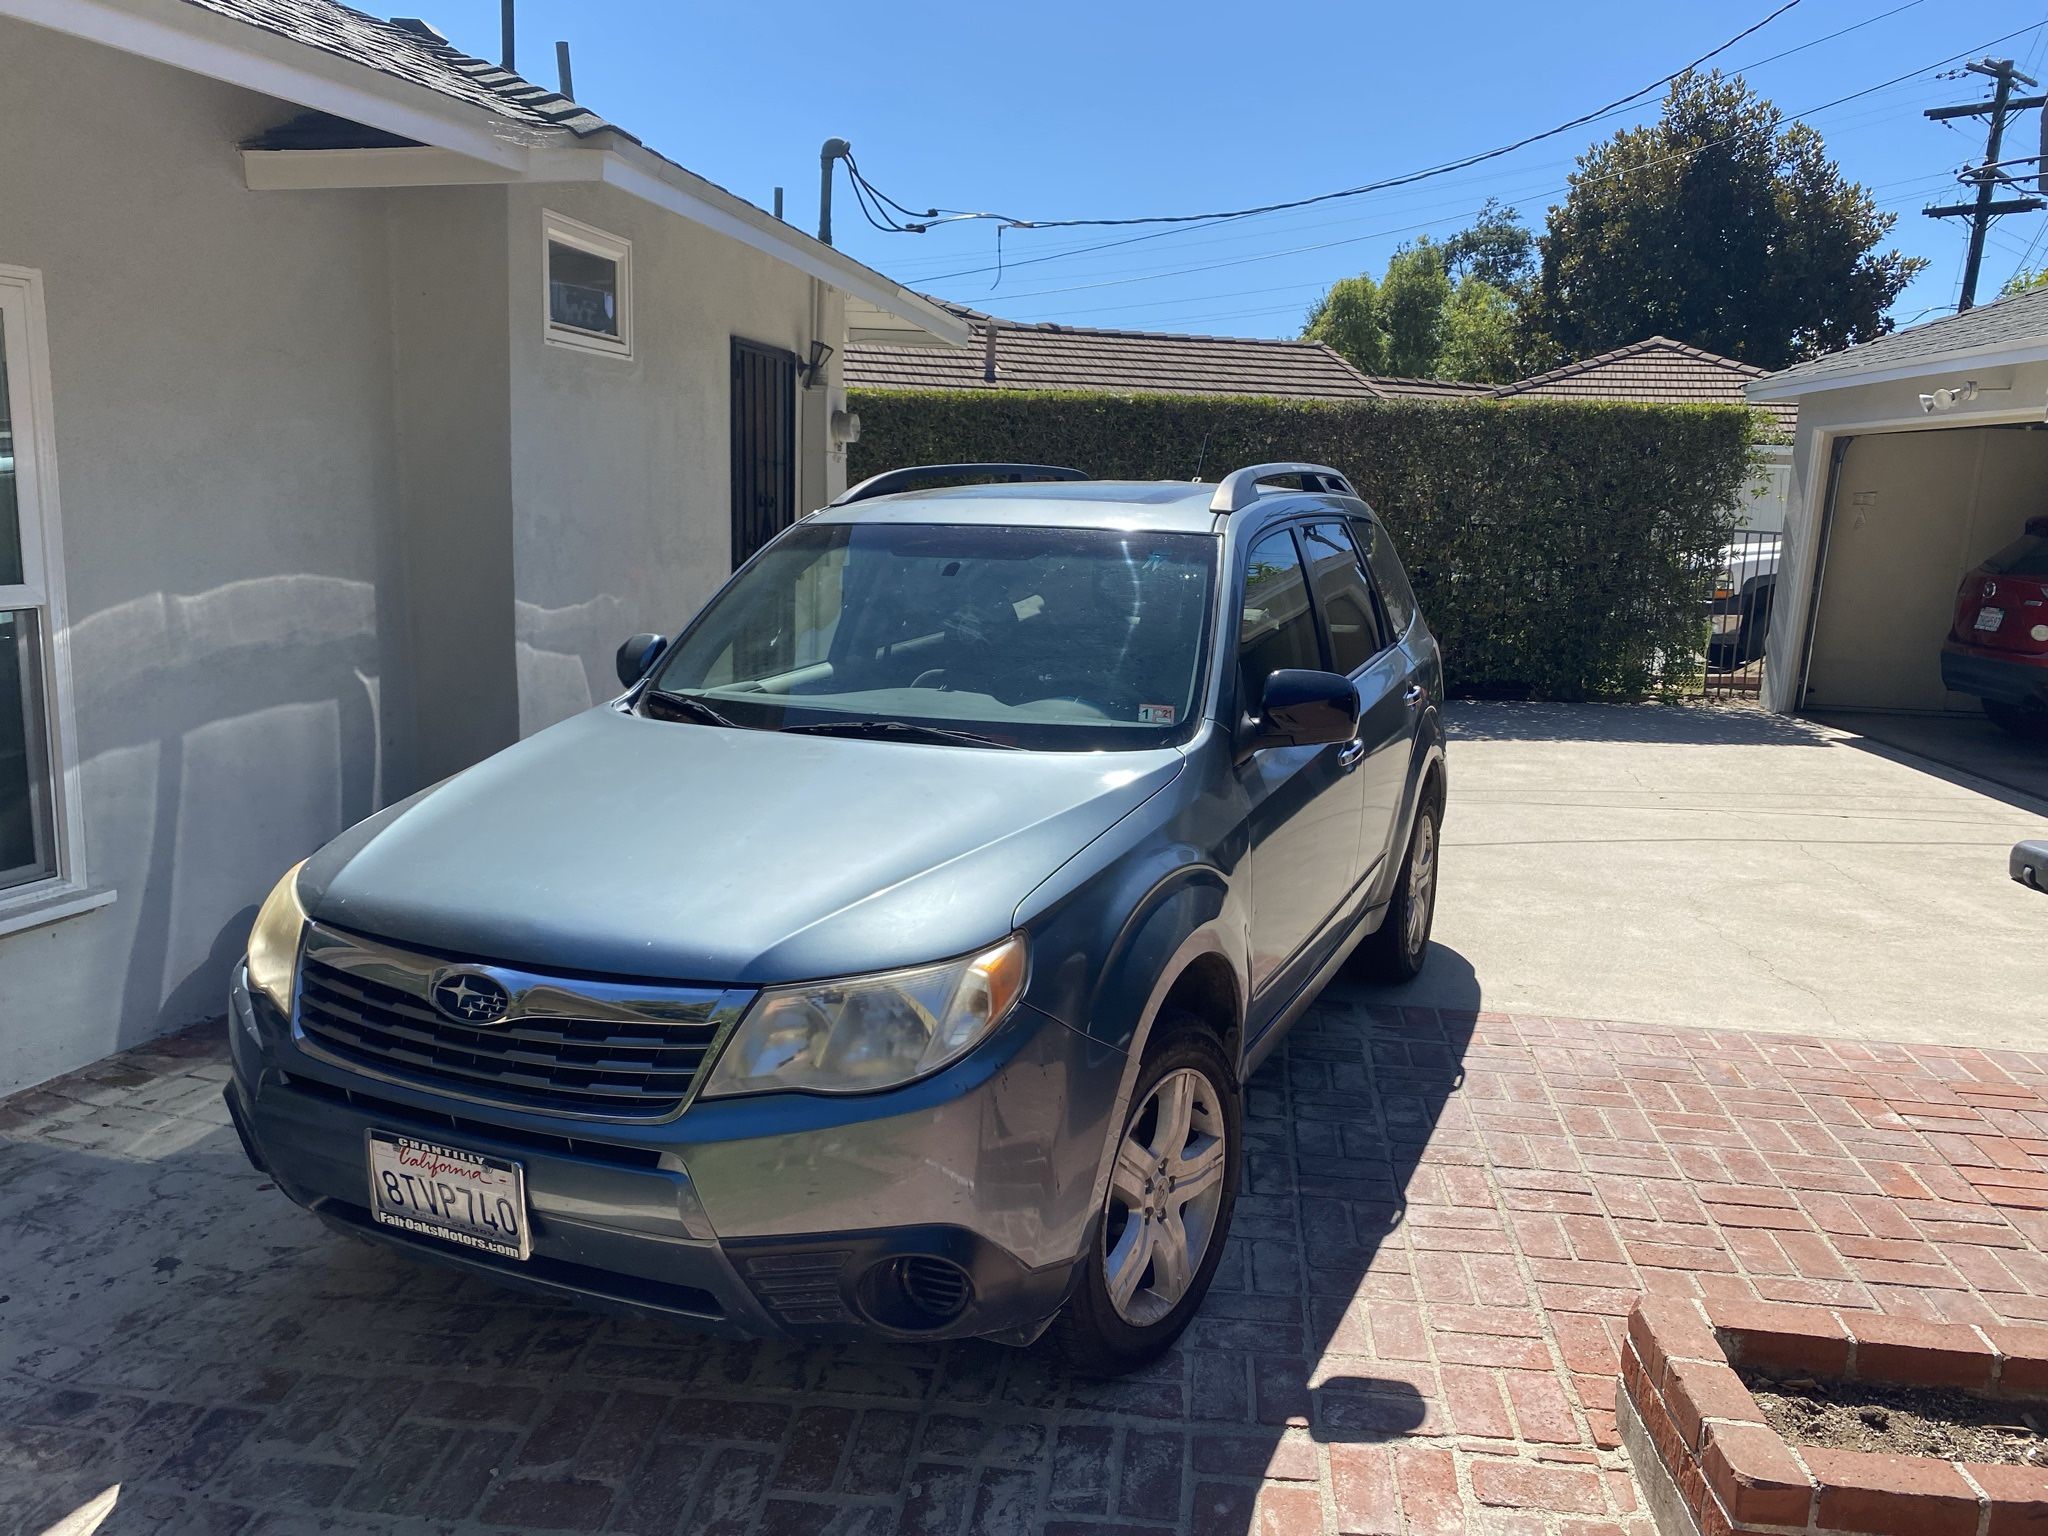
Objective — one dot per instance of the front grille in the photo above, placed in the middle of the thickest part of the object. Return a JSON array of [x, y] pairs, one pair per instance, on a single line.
[[424, 1122], [366, 1006]]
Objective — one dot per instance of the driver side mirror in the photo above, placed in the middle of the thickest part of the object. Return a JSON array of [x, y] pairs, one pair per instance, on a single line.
[[1302, 707], [638, 655]]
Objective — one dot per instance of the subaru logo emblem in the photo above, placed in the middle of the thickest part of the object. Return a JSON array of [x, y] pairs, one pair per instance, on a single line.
[[471, 997]]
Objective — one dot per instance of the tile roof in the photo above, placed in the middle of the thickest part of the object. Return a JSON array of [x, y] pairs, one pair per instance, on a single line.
[[2015, 321], [1657, 371], [415, 52], [1080, 357], [1428, 389]]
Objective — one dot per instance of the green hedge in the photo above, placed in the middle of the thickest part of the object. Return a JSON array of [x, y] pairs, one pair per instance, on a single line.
[[1561, 550]]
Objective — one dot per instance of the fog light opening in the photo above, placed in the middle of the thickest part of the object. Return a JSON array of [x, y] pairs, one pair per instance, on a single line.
[[917, 1293]]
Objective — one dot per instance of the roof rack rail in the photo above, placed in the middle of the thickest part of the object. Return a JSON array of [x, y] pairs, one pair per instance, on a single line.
[[893, 480], [1240, 488]]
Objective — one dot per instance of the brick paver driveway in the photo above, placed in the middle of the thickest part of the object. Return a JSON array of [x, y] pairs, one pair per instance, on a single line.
[[1415, 1329]]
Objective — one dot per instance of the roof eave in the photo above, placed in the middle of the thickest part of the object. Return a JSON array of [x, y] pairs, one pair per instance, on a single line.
[[1791, 385], [221, 48], [202, 42]]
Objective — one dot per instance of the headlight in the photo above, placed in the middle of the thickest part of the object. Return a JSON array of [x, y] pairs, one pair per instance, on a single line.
[[869, 1031], [274, 941]]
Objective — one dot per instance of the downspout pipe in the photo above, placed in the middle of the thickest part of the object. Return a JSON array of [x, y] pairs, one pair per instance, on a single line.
[[831, 150]]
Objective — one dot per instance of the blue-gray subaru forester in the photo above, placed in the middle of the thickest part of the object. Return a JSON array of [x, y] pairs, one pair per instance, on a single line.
[[890, 957]]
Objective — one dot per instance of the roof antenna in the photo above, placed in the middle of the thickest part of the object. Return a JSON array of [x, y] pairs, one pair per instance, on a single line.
[[505, 30], [1201, 459]]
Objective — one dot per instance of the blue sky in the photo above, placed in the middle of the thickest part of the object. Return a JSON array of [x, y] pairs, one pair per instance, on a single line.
[[1078, 110]]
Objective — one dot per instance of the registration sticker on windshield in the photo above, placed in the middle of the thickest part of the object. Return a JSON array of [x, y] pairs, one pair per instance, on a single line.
[[1156, 714]]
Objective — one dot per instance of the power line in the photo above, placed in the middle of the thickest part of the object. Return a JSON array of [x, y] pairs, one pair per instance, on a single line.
[[1676, 155], [1987, 177], [1871, 90], [1395, 181]]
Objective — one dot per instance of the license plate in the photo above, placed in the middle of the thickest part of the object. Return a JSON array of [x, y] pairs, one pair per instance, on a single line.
[[1989, 619], [445, 1192]]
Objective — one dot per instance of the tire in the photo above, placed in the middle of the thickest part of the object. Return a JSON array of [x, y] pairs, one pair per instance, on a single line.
[[1108, 1329], [2029, 722], [1396, 950]]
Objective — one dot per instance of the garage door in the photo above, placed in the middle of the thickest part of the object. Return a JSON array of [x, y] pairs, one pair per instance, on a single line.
[[1913, 511]]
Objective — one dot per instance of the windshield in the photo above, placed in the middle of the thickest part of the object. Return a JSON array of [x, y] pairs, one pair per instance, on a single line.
[[1061, 639]]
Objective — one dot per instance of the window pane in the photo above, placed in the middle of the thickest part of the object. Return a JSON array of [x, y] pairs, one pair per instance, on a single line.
[[1345, 598], [10, 510], [26, 842], [1277, 629], [1387, 574], [583, 290]]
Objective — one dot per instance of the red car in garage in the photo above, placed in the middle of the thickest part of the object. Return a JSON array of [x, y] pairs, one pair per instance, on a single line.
[[1998, 646]]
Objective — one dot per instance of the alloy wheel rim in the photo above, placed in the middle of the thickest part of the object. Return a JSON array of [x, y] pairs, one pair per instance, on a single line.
[[1165, 1192], [1421, 884]]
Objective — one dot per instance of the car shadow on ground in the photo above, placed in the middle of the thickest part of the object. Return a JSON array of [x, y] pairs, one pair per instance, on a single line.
[[1674, 724], [173, 1331]]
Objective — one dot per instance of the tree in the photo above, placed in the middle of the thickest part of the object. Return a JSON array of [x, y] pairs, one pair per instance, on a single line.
[[1347, 320], [1496, 248], [1720, 225], [1483, 341], [1413, 297], [2023, 281]]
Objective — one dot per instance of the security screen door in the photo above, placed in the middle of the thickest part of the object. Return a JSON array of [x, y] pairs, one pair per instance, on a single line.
[[763, 445]]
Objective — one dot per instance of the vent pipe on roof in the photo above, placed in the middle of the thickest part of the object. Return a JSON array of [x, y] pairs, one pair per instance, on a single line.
[[562, 73], [505, 30], [830, 150], [988, 352]]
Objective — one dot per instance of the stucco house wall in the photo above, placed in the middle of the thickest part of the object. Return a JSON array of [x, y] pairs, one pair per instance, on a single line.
[[621, 468], [212, 355]]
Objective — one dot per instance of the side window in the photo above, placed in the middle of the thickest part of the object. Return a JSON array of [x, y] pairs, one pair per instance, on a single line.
[[1343, 595], [1387, 573], [1277, 629]]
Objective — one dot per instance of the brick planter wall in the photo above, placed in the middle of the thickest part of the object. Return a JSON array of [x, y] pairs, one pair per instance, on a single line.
[[1725, 1470]]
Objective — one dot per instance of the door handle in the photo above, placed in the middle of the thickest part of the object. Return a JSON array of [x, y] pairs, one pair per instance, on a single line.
[[1415, 694], [1354, 749]]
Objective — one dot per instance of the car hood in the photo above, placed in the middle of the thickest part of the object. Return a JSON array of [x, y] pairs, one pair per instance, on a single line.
[[625, 846]]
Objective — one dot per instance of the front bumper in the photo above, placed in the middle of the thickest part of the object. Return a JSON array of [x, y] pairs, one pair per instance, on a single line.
[[1989, 674], [782, 1215]]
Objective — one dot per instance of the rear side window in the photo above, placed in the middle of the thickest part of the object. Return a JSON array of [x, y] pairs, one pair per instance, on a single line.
[[1343, 595], [1387, 574], [1277, 628], [2026, 555]]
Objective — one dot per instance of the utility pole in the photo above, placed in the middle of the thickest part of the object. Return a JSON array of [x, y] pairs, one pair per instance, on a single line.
[[1991, 175]]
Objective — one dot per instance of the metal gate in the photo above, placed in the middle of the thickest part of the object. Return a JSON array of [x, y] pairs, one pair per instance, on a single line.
[[763, 445], [1739, 615]]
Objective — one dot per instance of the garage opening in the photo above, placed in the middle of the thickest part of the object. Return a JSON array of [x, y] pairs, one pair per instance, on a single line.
[[1913, 513]]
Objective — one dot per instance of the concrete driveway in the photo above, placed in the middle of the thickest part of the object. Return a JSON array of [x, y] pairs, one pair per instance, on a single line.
[[1723, 867]]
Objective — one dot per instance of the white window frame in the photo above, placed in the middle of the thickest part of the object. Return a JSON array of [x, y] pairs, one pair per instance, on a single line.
[[24, 333], [560, 229]]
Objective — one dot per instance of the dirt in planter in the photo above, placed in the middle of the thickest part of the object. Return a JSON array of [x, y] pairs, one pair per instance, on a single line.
[[1906, 1421]]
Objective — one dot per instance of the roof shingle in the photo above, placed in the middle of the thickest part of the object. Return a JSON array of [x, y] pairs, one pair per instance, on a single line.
[[1078, 357], [1657, 371], [2016, 319], [414, 52]]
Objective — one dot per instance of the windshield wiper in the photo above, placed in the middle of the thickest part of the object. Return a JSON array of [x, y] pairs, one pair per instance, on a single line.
[[674, 704], [907, 729]]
